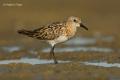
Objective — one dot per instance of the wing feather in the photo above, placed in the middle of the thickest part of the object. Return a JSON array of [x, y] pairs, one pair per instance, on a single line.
[[49, 32]]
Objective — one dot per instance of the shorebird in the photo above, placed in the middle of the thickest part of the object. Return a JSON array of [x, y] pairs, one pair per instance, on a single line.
[[55, 32]]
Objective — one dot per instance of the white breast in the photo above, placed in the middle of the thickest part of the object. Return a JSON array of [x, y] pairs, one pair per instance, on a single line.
[[58, 40]]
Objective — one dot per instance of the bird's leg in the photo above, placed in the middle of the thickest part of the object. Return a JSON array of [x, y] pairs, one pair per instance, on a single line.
[[52, 54]]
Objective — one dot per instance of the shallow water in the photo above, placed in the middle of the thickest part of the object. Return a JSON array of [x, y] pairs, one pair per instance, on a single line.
[[32, 61], [81, 41], [89, 40], [35, 61], [102, 64], [11, 48], [78, 49], [86, 44]]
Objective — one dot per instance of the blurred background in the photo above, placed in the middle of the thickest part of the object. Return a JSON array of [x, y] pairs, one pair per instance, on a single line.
[[100, 16]]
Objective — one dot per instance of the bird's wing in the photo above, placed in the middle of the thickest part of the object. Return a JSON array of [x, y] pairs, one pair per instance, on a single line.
[[49, 32]]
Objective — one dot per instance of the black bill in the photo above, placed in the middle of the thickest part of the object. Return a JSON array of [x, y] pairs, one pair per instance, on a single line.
[[81, 25]]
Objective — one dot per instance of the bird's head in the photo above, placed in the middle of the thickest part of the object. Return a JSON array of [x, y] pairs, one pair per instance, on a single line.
[[76, 22]]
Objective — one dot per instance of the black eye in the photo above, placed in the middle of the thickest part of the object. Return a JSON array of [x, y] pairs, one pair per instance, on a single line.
[[75, 20]]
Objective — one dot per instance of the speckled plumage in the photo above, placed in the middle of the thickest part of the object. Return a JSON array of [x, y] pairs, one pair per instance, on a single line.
[[49, 32], [56, 32]]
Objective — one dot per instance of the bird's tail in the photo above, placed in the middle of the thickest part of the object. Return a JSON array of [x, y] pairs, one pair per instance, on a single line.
[[26, 32]]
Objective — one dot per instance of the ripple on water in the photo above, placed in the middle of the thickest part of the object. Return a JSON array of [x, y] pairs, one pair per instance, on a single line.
[[89, 40], [11, 48], [85, 41], [81, 41], [84, 49], [102, 64], [32, 61]]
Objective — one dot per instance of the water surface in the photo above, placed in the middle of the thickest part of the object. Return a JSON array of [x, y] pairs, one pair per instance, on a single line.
[[32, 61], [79, 49], [102, 64]]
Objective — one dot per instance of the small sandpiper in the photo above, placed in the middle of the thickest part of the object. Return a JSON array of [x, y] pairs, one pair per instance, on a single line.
[[56, 32]]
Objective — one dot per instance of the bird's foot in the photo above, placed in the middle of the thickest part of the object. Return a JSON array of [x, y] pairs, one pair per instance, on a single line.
[[55, 62]]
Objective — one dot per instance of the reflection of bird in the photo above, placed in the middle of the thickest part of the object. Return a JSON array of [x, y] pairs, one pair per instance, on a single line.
[[56, 32]]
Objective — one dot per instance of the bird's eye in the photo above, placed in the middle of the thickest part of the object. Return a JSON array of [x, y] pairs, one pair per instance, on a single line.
[[75, 20]]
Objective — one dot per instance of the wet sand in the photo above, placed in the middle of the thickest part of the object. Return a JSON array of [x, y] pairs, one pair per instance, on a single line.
[[62, 71], [81, 58], [73, 65]]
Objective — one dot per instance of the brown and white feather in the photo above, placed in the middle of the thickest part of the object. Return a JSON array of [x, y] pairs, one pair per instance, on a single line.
[[56, 32]]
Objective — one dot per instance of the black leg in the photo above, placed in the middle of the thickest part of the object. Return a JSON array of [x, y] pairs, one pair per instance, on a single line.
[[52, 55]]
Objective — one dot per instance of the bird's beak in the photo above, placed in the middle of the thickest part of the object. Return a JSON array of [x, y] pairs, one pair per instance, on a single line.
[[83, 26]]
